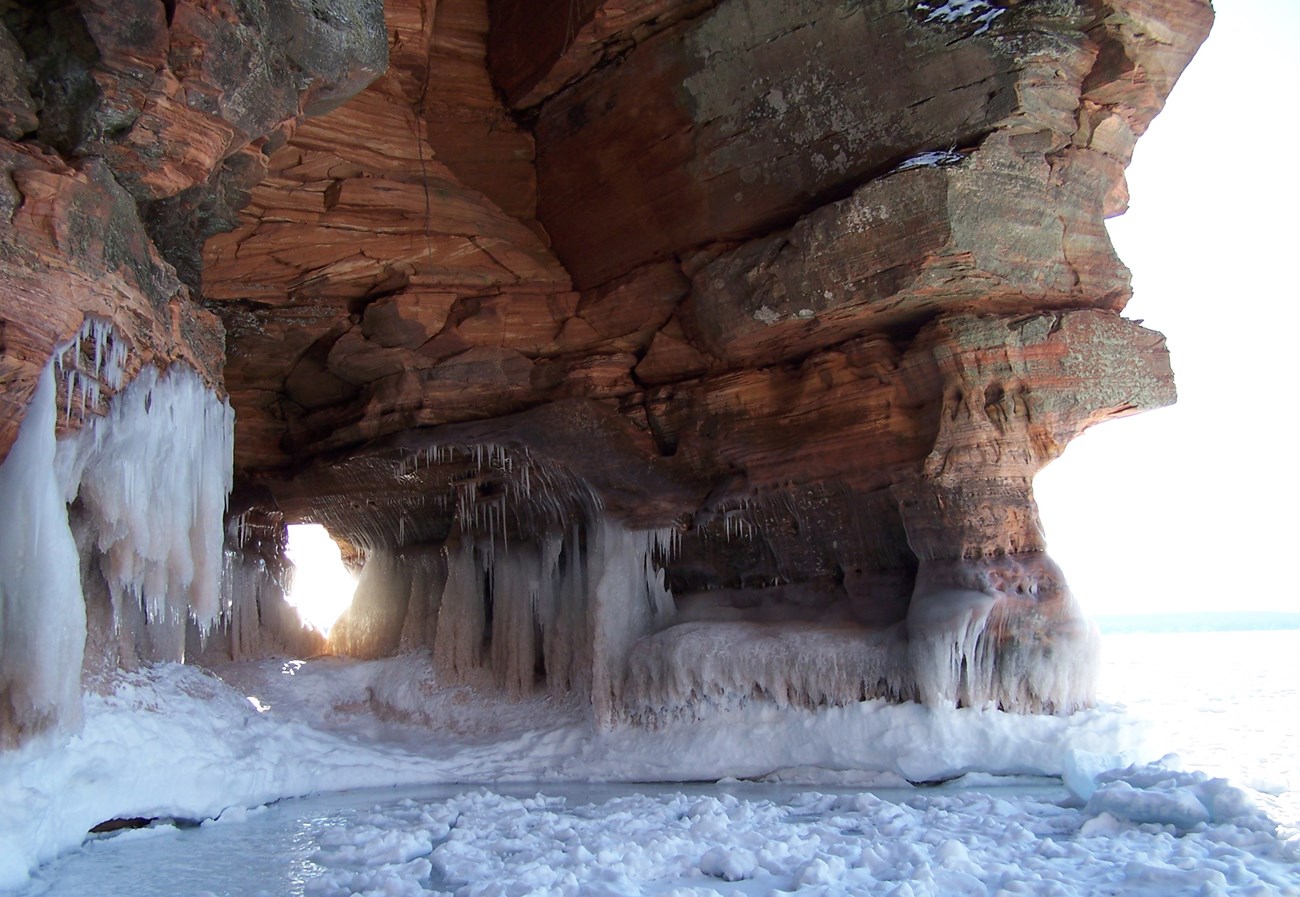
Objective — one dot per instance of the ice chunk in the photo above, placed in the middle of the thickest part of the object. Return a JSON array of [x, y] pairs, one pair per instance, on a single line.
[[735, 864], [1082, 768], [1157, 794]]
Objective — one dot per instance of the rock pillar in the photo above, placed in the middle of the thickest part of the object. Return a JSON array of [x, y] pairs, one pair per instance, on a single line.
[[992, 620]]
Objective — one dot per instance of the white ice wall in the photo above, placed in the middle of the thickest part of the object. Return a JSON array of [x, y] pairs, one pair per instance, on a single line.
[[42, 614], [152, 476]]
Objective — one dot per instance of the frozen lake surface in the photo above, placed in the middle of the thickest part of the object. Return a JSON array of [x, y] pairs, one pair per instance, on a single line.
[[1226, 702]]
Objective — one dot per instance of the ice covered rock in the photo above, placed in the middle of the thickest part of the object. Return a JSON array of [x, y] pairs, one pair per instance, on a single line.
[[42, 614], [147, 485], [696, 289]]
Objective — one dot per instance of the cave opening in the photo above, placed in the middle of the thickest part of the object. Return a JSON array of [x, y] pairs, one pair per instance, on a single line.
[[321, 586]]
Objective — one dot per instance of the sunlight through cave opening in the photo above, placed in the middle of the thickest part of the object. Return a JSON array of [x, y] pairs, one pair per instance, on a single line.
[[322, 586]]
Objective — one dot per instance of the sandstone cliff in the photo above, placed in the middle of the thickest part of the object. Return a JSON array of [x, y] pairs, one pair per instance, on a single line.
[[768, 312]]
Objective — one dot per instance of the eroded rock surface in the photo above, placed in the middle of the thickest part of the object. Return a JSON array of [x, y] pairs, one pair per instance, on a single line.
[[757, 315], [129, 133], [126, 127]]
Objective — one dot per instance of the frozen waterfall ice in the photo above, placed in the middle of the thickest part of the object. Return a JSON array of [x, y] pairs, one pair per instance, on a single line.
[[130, 507]]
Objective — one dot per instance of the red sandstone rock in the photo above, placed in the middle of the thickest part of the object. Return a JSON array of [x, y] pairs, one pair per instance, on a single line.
[[538, 48], [140, 101], [74, 249], [831, 374]]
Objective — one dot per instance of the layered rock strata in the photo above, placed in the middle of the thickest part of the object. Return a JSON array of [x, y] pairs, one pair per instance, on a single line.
[[128, 132], [685, 327]]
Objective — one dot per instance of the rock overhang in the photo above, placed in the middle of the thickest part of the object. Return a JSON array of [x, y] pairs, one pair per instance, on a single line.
[[815, 314]]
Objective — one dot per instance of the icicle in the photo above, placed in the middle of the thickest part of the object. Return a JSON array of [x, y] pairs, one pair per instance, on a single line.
[[153, 475], [69, 379]]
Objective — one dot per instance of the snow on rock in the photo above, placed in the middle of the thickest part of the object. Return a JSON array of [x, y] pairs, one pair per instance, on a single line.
[[978, 12], [931, 159]]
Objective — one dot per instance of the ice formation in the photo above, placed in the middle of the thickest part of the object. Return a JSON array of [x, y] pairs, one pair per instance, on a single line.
[[1003, 632], [147, 482], [536, 582], [691, 667], [152, 476], [42, 615], [565, 607]]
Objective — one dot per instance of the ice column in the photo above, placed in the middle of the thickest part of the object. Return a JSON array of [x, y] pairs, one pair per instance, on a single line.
[[42, 614], [629, 601]]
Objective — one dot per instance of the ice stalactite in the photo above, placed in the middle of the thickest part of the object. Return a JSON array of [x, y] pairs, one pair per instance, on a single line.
[[152, 476], [248, 586], [689, 669], [1001, 631], [42, 613], [563, 607], [91, 367], [147, 475], [511, 609]]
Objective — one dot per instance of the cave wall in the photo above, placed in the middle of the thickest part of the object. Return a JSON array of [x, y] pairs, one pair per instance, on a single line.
[[128, 134], [831, 284], [809, 290]]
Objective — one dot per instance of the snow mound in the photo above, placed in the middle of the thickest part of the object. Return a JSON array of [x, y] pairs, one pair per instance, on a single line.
[[171, 741], [1159, 795]]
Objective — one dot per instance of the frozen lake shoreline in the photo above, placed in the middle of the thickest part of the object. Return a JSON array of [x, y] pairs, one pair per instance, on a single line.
[[703, 840], [202, 750]]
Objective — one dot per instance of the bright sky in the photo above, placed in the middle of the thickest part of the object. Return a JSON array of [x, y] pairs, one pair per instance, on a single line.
[[1194, 507], [322, 586]]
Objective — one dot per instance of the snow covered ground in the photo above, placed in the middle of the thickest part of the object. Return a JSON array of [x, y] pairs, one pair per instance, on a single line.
[[176, 742]]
